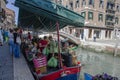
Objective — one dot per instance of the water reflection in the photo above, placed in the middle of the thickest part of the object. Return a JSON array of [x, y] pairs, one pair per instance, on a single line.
[[97, 63]]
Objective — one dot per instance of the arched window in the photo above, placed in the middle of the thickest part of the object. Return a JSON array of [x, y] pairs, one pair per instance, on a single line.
[[100, 17], [117, 8], [83, 2], [116, 20], [101, 3], [83, 14], [71, 5], [77, 3], [90, 15]]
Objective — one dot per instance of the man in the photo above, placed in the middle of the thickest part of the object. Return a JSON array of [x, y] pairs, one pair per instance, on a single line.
[[94, 36]]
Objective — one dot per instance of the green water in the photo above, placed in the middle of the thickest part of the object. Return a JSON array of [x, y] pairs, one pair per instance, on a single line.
[[97, 63]]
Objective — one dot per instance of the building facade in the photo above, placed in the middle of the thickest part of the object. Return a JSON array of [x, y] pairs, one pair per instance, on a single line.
[[2, 12], [10, 18], [101, 17]]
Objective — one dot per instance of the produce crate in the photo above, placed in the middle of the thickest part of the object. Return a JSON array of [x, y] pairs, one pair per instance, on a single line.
[[40, 64], [41, 69]]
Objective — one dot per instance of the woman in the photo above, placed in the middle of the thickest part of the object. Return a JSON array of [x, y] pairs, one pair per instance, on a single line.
[[17, 43], [11, 41]]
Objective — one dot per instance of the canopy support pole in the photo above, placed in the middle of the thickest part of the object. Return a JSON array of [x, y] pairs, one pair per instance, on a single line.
[[58, 36]]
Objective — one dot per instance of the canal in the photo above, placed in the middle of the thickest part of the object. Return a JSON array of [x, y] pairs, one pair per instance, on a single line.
[[98, 63]]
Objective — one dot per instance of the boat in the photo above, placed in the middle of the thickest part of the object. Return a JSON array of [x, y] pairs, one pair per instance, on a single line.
[[48, 16]]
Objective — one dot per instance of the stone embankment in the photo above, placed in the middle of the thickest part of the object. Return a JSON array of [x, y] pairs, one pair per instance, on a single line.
[[100, 47]]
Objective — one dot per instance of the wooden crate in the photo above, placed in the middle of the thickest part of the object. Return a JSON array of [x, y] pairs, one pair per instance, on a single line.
[[41, 69]]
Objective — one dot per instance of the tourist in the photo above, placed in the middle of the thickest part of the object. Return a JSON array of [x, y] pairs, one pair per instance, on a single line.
[[11, 41], [17, 43]]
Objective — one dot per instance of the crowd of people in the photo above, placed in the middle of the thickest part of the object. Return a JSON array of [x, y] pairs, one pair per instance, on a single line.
[[44, 51], [12, 37]]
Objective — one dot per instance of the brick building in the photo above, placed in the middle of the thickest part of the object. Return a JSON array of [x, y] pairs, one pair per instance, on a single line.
[[10, 18], [2, 12], [101, 16]]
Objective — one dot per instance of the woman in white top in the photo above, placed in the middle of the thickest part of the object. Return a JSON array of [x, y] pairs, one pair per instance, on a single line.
[[11, 41]]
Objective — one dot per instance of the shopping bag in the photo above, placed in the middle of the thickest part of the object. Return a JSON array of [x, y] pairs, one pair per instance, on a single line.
[[18, 40], [52, 62]]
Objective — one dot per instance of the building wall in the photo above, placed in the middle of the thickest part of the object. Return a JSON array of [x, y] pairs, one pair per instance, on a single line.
[[2, 12], [103, 29], [2, 4], [10, 18], [118, 12]]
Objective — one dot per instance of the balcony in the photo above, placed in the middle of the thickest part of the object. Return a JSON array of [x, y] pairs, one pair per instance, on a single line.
[[109, 24], [111, 21], [110, 10]]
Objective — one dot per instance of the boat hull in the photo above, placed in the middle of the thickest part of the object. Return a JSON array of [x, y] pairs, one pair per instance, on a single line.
[[70, 71]]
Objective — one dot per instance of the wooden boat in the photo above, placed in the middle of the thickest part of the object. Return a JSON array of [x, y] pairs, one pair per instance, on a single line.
[[69, 73], [48, 16]]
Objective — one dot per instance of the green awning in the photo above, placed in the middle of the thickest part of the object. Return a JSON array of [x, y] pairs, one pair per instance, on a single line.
[[43, 14]]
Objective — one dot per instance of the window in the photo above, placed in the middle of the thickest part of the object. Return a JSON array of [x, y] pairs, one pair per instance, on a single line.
[[91, 2], [110, 5], [71, 5], [116, 20], [83, 2], [117, 9], [100, 17], [77, 4], [83, 14], [101, 3], [90, 15]]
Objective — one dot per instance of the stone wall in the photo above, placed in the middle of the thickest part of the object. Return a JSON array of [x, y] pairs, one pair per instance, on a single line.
[[100, 47]]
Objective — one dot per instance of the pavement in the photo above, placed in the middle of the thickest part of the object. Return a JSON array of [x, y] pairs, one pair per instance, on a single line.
[[6, 62], [12, 68]]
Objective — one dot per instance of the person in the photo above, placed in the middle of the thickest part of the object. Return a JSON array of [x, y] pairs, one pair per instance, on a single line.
[[6, 35], [29, 36], [1, 37], [53, 47], [94, 36], [16, 43], [43, 43], [11, 41]]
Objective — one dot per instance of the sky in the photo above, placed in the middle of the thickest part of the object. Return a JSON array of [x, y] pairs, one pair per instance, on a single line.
[[11, 6]]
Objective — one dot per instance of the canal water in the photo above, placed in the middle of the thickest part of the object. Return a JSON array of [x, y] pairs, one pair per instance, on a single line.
[[98, 63]]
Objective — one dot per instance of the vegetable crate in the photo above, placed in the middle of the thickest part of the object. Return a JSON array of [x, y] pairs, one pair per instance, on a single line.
[[40, 64]]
